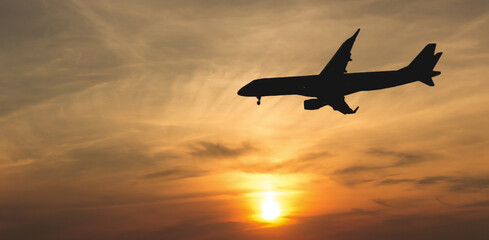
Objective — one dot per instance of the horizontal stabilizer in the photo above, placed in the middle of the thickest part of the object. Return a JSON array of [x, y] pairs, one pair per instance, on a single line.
[[428, 81], [435, 73]]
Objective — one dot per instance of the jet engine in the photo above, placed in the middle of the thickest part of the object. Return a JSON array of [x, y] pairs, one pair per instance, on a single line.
[[313, 104]]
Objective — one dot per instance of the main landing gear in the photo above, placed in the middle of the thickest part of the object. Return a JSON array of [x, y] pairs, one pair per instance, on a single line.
[[259, 98]]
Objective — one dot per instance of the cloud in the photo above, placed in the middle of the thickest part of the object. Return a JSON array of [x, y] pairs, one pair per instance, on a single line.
[[192, 230], [175, 174], [360, 211], [44, 57], [400, 159], [205, 149], [251, 230], [477, 204], [356, 225], [468, 184], [309, 162], [113, 157], [455, 183], [390, 181], [432, 180], [381, 202]]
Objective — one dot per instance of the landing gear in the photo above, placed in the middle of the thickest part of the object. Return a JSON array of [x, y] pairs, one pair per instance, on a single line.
[[259, 98]]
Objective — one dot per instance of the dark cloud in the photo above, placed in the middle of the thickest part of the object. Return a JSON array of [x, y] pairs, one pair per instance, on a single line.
[[351, 225], [175, 174], [399, 159], [468, 184], [455, 183], [483, 204], [432, 180], [219, 150], [244, 230], [191, 230], [107, 158], [70, 222], [381, 202], [390, 181], [360, 211], [361, 168], [402, 226]]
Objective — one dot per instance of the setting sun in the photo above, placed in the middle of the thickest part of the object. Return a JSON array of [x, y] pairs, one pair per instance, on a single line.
[[270, 208]]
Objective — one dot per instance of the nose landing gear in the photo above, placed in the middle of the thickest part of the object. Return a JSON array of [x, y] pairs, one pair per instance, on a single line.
[[259, 98]]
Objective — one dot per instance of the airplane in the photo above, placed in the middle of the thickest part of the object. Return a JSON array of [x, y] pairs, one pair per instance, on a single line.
[[333, 83]]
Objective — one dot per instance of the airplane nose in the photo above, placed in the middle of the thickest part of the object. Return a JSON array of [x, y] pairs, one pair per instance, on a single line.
[[244, 91], [241, 91], [247, 90]]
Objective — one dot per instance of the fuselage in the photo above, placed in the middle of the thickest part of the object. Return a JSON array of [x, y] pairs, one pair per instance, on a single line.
[[317, 86], [331, 85]]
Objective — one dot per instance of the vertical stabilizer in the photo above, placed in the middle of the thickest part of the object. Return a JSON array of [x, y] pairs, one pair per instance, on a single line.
[[422, 66]]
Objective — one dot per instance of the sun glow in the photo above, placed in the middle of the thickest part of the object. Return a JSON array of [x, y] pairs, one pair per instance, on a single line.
[[270, 208]]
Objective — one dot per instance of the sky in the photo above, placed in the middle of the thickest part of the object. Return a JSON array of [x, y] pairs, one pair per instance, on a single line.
[[120, 120]]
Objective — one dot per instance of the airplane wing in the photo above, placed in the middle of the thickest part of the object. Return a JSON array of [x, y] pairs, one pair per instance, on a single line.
[[342, 107], [337, 65]]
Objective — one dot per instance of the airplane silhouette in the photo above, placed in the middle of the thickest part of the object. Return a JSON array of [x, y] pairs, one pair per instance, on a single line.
[[333, 83]]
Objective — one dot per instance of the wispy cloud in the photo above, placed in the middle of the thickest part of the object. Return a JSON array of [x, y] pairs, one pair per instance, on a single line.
[[381, 202], [175, 173], [306, 163], [399, 159], [218, 150], [455, 183]]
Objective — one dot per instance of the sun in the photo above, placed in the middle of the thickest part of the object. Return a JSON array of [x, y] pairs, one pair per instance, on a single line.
[[270, 208]]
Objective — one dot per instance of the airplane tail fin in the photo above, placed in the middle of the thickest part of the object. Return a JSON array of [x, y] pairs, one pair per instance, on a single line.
[[422, 66]]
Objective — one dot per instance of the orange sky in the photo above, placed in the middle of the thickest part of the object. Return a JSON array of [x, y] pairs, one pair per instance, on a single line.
[[120, 120]]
